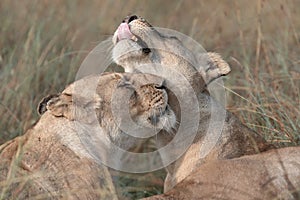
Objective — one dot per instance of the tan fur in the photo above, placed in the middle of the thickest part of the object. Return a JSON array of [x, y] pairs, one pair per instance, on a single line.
[[271, 175], [236, 139], [39, 165]]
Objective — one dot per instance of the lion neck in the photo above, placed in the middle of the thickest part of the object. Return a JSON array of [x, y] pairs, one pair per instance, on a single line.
[[234, 140]]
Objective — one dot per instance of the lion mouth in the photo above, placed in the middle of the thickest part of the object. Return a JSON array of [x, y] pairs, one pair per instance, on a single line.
[[123, 32], [166, 120], [156, 118]]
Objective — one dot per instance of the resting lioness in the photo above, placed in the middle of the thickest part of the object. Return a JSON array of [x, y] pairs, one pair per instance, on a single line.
[[148, 105], [50, 160], [138, 44]]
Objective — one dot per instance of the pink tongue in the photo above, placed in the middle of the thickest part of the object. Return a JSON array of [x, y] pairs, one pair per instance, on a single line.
[[124, 32]]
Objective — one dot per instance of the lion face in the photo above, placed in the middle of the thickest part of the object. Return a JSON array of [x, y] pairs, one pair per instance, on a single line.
[[148, 102], [134, 28], [149, 107], [131, 41]]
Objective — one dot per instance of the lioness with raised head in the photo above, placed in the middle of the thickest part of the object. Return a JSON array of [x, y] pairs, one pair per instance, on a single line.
[[50, 160], [138, 44]]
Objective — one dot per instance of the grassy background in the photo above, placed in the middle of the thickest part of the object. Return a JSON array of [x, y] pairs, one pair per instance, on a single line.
[[42, 44]]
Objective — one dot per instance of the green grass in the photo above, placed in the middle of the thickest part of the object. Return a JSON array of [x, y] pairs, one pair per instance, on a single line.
[[43, 43]]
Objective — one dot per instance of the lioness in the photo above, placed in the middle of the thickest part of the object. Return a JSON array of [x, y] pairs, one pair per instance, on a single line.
[[50, 160], [138, 44]]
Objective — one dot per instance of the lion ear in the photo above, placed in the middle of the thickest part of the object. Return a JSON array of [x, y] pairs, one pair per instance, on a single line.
[[212, 67], [42, 107], [59, 105]]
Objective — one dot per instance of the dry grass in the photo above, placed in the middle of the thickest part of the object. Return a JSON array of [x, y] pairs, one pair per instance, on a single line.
[[43, 43]]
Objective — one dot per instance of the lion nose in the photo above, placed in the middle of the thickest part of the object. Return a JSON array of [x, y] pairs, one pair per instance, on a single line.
[[131, 18]]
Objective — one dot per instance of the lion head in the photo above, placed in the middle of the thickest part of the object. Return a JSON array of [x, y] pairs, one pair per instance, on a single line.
[[137, 43], [115, 102]]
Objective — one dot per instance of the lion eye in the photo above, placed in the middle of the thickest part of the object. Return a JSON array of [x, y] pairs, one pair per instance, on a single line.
[[134, 95], [146, 50], [160, 87]]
